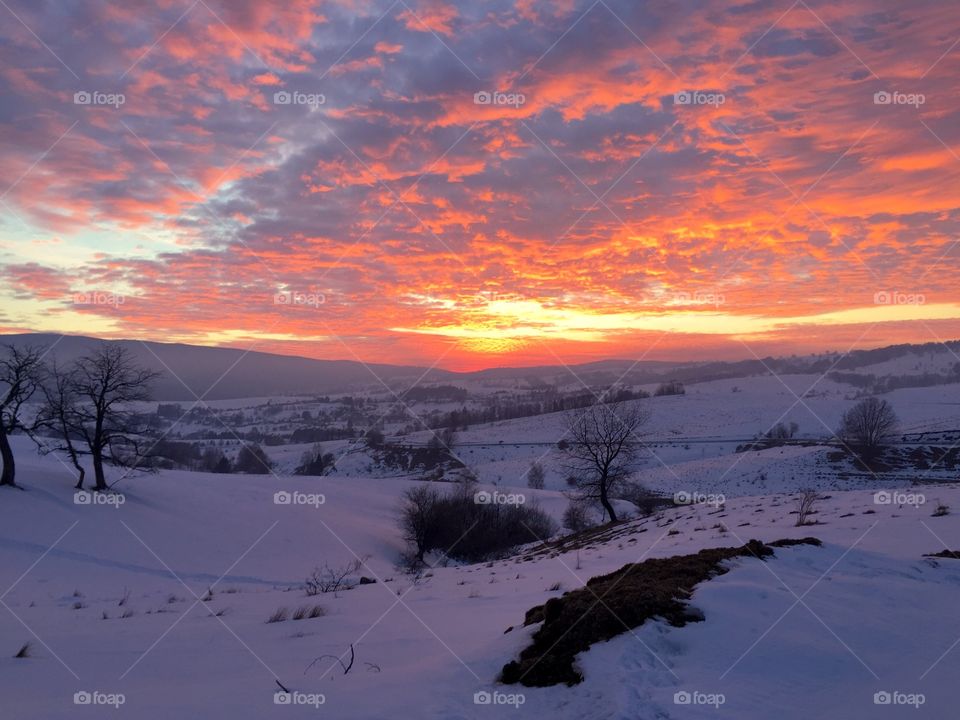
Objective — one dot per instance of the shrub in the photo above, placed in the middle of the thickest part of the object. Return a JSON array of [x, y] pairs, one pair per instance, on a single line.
[[327, 579], [460, 527], [782, 431], [646, 501], [576, 517], [253, 460], [535, 476], [805, 507], [315, 462], [674, 387]]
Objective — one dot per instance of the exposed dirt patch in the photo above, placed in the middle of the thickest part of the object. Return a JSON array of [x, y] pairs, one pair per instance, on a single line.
[[613, 604]]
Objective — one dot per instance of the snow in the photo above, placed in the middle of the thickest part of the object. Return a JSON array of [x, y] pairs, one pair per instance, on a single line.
[[813, 632]]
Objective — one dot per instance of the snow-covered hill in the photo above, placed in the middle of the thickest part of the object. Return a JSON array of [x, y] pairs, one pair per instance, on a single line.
[[201, 562]]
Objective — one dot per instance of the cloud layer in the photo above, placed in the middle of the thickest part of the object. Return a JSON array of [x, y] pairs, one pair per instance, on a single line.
[[424, 181]]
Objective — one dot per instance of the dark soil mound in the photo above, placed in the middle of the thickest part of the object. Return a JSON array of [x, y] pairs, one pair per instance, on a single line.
[[612, 604]]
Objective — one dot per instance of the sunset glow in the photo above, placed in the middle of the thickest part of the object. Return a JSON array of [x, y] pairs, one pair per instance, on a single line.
[[483, 184]]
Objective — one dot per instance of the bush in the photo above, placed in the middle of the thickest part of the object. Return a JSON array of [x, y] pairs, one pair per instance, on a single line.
[[782, 431], [215, 461], [461, 528], [315, 462], [327, 579], [674, 387], [805, 505], [253, 460], [646, 501], [535, 477], [576, 517], [374, 438]]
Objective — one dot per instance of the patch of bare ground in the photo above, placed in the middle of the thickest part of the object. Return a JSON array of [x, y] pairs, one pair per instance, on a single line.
[[612, 604]]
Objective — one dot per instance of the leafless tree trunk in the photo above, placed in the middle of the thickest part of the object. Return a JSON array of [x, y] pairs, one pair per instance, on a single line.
[[602, 447], [21, 372]]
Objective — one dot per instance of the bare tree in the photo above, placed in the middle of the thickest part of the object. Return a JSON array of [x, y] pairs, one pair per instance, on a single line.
[[602, 447], [21, 373], [869, 426], [59, 419], [102, 386], [418, 518]]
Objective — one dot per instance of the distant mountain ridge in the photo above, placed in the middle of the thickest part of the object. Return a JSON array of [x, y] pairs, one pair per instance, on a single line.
[[214, 373]]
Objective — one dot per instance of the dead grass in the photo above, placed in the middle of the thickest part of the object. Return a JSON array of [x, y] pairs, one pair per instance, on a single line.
[[279, 615], [637, 592]]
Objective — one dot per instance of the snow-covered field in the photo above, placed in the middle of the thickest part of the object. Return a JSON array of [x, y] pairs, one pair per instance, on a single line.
[[204, 560]]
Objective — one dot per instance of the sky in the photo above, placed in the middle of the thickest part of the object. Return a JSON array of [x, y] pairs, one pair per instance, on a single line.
[[482, 184]]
